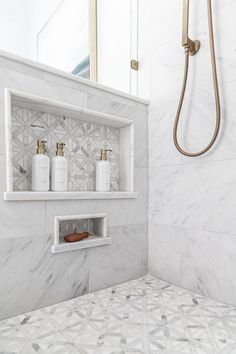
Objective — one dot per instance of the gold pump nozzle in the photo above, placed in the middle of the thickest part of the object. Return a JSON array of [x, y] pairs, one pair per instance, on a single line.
[[60, 149], [41, 146], [104, 152]]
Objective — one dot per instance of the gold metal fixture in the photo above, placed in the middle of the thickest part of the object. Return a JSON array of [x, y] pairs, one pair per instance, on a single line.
[[189, 45], [104, 154], [134, 64], [93, 39], [191, 48], [60, 149], [41, 146]]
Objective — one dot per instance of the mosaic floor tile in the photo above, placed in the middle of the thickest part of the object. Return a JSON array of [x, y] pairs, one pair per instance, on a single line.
[[141, 316]]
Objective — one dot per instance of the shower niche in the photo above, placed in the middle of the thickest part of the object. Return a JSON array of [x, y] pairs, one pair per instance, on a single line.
[[84, 131], [96, 224]]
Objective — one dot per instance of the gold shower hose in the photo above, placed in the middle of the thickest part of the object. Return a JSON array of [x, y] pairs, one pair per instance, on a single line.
[[191, 48]]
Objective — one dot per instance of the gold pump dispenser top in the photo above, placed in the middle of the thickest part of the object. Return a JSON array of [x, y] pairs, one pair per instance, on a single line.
[[60, 149], [104, 152], [41, 146]]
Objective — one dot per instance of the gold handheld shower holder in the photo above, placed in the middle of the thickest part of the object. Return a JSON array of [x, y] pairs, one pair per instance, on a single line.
[[192, 47]]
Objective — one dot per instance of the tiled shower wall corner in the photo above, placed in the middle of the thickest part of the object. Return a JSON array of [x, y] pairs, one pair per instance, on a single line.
[[192, 230], [83, 141], [31, 276]]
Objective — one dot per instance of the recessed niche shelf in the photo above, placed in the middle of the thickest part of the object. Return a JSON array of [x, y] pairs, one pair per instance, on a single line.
[[95, 223], [69, 117], [11, 196]]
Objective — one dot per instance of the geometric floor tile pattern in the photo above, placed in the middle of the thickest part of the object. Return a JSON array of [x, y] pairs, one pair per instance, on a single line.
[[141, 316]]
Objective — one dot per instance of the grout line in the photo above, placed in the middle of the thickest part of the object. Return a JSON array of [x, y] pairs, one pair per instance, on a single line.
[[194, 292], [43, 68], [195, 94], [45, 218], [179, 164], [89, 280], [148, 192], [193, 228]]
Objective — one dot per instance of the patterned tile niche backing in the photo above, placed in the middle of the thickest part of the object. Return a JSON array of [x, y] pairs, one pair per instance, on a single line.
[[68, 226], [83, 143]]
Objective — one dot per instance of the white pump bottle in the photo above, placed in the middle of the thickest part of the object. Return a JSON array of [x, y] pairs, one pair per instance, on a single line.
[[59, 170], [40, 169], [103, 173]]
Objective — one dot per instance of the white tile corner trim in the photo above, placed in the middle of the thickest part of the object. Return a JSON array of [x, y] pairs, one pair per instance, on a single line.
[[99, 221], [126, 146]]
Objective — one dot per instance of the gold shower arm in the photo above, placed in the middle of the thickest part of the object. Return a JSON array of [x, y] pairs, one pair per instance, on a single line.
[[189, 45], [185, 23]]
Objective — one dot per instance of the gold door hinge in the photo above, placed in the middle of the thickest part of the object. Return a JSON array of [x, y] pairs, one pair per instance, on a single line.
[[134, 64]]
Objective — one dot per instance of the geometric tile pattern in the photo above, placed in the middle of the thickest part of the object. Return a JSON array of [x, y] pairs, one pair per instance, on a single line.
[[141, 316], [69, 226], [83, 141]]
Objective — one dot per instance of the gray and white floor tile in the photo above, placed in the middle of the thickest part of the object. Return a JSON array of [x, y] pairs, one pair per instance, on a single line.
[[141, 316]]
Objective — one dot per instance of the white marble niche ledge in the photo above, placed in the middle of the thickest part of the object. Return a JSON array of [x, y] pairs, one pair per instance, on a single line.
[[18, 196], [126, 146], [100, 231]]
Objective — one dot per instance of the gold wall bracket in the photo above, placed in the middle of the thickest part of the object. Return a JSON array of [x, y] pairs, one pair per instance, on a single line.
[[134, 64], [192, 46]]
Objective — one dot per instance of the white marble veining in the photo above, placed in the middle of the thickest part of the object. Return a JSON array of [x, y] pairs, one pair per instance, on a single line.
[[196, 128], [199, 195], [210, 256], [192, 228], [46, 72], [136, 209], [161, 121], [19, 219], [26, 228], [194, 259], [144, 316], [32, 277], [164, 252], [125, 258]]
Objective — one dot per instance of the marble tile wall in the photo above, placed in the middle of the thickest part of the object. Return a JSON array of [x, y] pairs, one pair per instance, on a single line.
[[32, 277], [192, 202]]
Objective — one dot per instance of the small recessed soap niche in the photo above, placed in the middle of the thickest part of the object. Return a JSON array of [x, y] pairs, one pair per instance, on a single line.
[[96, 224], [29, 117]]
